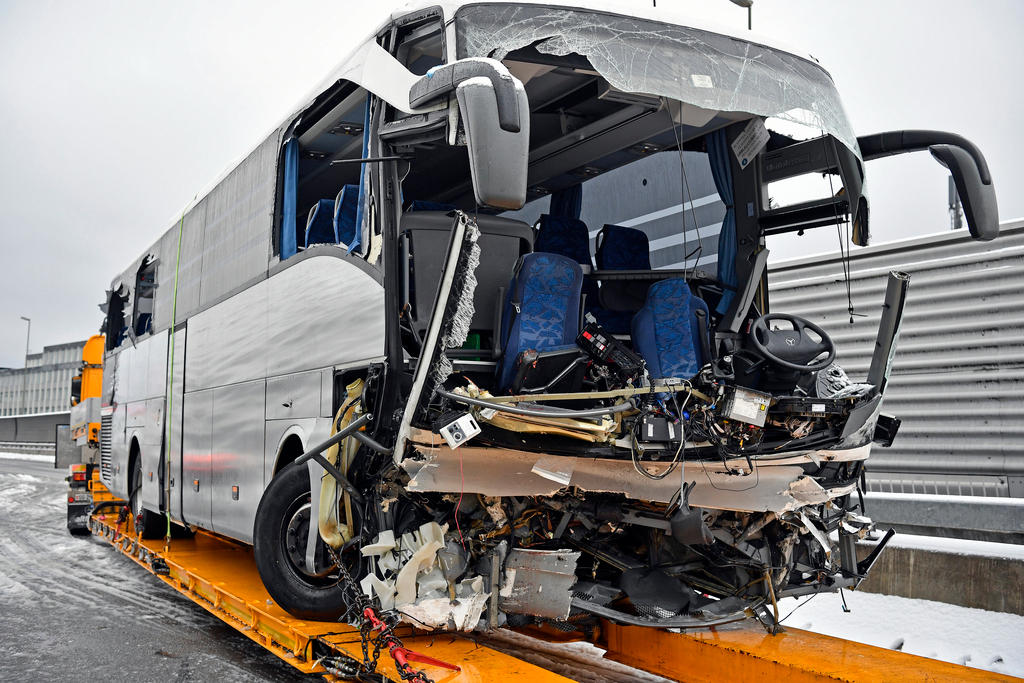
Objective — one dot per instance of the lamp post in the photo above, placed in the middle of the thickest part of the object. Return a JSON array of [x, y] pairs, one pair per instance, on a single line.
[[24, 375], [749, 4]]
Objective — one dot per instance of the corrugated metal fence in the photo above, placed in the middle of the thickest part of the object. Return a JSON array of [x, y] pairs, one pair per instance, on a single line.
[[958, 377]]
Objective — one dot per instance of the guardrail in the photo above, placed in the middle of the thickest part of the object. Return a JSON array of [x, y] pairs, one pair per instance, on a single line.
[[28, 447], [976, 518]]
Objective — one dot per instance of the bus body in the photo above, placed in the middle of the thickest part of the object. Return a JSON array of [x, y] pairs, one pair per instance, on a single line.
[[383, 253]]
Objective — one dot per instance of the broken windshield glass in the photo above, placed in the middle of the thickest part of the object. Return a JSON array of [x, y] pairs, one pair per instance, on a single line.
[[695, 66]]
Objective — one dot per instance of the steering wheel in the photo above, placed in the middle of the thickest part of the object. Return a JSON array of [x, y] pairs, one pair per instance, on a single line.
[[793, 349]]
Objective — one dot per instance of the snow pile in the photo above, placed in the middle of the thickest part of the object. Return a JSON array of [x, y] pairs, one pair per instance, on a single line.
[[963, 635]]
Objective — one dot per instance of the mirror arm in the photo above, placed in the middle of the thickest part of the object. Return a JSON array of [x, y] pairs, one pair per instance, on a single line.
[[902, 141]]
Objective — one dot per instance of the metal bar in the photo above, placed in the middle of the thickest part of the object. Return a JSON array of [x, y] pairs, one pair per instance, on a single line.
[[368, 160], [514, 410], [888, 329], [353, 426]]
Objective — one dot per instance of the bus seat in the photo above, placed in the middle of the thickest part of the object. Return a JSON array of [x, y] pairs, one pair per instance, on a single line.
[[541, 311], [666, 331], [569, 237], [565, 236], [425, 234], [345, 206], [144, 324], [620, 248], [320, 223]]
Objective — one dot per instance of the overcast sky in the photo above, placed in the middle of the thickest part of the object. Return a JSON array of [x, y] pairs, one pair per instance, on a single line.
[[115, 114]]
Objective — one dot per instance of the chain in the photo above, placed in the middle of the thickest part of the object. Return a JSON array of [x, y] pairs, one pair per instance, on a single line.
[[370, 621]]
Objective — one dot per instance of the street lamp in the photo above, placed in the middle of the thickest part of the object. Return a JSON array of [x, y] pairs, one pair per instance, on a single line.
[[749, 4], [24, 375]]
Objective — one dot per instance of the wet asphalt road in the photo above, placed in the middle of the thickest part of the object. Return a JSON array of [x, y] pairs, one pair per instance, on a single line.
[[71, 608]]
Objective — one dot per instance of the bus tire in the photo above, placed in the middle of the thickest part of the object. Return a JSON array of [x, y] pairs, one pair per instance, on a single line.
[[148, 523], [278, 555]]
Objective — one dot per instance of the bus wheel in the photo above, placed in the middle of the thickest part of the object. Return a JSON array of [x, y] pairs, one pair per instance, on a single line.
[[147, 522], [279, 539]]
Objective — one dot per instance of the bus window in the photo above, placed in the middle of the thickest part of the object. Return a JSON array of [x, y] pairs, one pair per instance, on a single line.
[[115, 328], [421, 46], [145, 288], [320, 193]]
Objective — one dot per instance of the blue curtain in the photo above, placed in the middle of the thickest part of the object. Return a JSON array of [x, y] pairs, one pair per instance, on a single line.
[[567, 202], [721, 171], [291, 182], [358, 239]]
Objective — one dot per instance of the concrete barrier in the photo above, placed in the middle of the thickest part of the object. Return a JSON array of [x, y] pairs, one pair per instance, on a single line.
[[984, 581]]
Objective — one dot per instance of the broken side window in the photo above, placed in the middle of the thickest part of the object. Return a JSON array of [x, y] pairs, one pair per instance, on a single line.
[[321, 180], [114, 326], [145, 289]]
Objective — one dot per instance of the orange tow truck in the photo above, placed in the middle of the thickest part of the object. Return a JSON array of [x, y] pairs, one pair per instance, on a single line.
[[85, 490]]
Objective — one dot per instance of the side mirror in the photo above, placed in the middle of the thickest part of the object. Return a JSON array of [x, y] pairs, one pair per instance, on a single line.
[[496, 116], [497, 157], [965, 162], [978, 198]]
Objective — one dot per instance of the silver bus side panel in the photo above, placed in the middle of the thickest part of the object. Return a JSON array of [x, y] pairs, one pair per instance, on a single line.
[[294, 396], [291, 328], [175, 412], [324, 311], [236, 457], [196, 475]]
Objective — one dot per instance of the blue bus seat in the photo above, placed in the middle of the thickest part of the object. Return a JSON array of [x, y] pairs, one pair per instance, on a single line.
[[320, 223], [666, 331], [345, 207], [620, 248], [565, 236], [570, 237], [541, 311]]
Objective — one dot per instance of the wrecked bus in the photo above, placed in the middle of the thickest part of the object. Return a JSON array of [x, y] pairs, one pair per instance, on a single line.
[[354, 354]]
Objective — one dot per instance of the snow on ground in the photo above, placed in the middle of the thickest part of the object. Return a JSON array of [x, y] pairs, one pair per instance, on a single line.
[[964, 635]]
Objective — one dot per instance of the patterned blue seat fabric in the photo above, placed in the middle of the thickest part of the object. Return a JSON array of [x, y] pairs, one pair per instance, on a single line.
[[666, 332], [569, 237], [565, 236], [320, 224], [345, 209], [545, 289], [620, 248]]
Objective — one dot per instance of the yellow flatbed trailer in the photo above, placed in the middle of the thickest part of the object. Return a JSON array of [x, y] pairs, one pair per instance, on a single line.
[[221, 576]]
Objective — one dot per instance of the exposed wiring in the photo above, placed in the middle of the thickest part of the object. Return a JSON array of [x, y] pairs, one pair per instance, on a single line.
[[813, 595], [679, 450]]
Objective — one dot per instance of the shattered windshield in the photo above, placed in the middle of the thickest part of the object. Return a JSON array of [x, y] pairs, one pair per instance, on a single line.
[[691, 65]]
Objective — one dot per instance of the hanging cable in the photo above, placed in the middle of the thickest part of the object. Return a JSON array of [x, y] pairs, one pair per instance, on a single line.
[[844, 245], [684, 192]]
